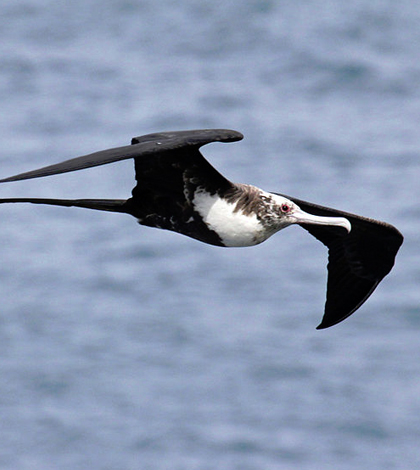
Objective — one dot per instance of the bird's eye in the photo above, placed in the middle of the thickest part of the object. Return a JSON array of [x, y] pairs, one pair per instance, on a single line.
[[285, 208]]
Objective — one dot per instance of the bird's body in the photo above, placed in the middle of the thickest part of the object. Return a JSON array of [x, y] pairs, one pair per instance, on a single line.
[[248, 216], [238, 224], [178, 190]]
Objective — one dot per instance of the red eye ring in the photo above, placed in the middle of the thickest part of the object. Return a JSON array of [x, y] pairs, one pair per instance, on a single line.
[[285, 208]]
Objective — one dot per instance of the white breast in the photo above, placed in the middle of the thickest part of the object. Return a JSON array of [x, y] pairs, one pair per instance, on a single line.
[[234, 228]]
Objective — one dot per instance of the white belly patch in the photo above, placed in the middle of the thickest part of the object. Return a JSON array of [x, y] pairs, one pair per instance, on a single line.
[[234, 228]]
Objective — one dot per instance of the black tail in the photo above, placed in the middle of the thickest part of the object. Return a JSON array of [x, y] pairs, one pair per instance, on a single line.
[[112, 205]]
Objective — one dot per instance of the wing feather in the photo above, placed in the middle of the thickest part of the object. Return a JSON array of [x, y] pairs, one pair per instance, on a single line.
[[357, 261], [151, 144]]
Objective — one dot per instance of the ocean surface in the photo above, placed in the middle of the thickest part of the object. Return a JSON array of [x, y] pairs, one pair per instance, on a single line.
[[124, 347]]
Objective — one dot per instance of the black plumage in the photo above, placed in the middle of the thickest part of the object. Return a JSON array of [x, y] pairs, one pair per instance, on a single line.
[[170, 172]]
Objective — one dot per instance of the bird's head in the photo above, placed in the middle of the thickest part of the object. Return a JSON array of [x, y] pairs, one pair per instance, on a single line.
[[288, 213]]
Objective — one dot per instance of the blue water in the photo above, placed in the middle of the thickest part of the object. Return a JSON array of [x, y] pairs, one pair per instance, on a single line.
[[124, 347]]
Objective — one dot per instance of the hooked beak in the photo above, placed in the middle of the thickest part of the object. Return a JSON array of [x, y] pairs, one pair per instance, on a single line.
[[302, 217]]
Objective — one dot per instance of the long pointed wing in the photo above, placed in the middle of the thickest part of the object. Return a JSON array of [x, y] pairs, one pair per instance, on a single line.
[[141, 146], [358, 261]]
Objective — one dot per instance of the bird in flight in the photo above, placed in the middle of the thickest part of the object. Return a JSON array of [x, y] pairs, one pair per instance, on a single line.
[[177, 189]]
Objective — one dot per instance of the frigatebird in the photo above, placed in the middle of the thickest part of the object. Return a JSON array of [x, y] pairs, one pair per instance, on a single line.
[[178, 189]]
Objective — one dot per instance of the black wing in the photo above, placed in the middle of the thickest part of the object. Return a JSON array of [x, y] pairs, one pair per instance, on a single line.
[[151, 144], [169, 169], [358, 261], [166, 185]]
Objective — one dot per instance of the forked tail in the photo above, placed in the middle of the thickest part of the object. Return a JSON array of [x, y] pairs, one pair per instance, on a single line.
[[112, 205]]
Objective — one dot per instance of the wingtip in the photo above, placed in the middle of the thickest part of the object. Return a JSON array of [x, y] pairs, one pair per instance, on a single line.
[[328, 320], [324, 325], [10, 179], [335, 320]]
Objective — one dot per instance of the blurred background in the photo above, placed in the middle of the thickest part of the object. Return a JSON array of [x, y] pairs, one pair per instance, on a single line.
[[124, 347]]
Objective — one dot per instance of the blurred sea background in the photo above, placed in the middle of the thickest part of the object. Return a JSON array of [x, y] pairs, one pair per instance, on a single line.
[[124, 347]]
